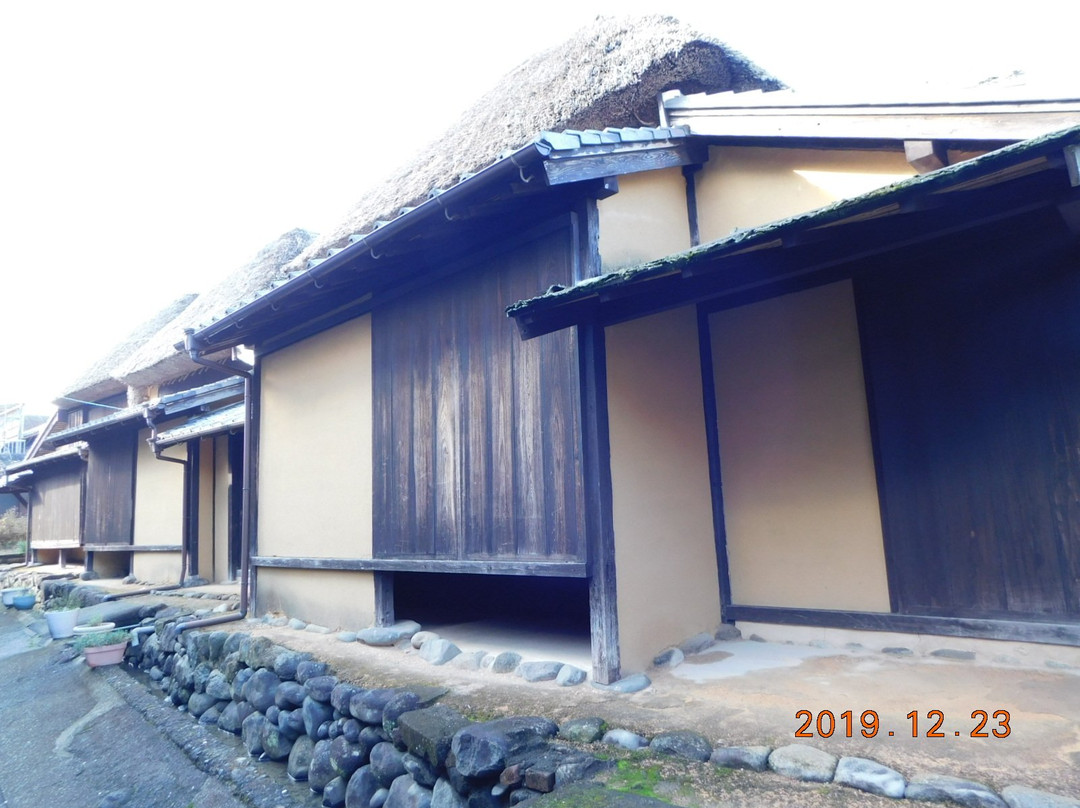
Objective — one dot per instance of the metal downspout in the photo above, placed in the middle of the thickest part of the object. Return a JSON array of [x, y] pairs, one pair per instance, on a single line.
[[245, 507], [185, 528]]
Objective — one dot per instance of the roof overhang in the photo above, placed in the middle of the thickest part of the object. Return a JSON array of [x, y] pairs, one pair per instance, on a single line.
[[71, 451], [220, 421], [1034, 179], [537, 180], [788, 114]]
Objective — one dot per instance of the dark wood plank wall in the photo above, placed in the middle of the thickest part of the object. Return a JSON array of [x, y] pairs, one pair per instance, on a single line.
[[56, 514], [973, 371], [110, 489], [477, 433]]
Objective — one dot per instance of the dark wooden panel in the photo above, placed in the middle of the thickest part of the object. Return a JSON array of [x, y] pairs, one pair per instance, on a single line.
[[56, 506], [973, 372], [110, 489], [477, 433]]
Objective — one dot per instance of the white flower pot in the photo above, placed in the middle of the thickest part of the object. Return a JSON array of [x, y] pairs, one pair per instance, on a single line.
[[62, 623]]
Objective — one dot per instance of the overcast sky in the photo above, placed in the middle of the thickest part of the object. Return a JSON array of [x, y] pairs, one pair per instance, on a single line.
[[148, 148]]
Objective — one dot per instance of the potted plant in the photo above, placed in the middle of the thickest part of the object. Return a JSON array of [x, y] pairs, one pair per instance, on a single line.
[[62, 613], [103, 647]]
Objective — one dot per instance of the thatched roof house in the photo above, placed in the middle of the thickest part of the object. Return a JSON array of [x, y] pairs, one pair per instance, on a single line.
[[607, 74], [99, 382], [158, 359]]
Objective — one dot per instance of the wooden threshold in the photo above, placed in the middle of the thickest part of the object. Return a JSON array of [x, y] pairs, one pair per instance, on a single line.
[[1049, 633], [132, 548], [551, 569]]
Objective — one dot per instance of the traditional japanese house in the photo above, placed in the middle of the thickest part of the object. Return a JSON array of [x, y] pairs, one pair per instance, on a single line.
[[472, 472], [871, 407]]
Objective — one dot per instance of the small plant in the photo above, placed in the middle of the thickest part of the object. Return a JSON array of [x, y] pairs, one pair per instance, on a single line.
[[63, 603], [99, 638]]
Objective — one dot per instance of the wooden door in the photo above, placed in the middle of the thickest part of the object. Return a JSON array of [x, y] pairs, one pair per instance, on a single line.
[[974, 380]]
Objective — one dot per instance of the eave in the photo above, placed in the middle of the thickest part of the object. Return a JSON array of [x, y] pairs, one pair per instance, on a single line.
[[1035, 177]]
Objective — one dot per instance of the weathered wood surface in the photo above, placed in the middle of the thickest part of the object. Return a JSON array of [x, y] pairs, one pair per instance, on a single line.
[[110, 489], [492, 566], [973, 368], [477, 433], [56, 506]]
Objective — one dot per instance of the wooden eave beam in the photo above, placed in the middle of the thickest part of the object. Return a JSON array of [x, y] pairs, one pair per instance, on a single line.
[[579, 167]]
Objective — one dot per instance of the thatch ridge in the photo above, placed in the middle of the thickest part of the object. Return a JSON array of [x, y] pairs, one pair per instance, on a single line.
[[158, 360], [607, 74], [98, 381]]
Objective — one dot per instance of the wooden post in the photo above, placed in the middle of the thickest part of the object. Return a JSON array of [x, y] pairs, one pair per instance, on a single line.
[[596, 450], [384, 598]]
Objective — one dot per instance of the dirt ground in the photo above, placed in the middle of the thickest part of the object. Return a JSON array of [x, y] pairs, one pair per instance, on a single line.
[[1042, 749]]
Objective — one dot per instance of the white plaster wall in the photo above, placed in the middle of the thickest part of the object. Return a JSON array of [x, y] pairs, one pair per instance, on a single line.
[[221, 508], [800, 492], [665, 547], [331, 598]]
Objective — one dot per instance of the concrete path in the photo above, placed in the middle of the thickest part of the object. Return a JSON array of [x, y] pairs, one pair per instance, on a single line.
[[69, 738]]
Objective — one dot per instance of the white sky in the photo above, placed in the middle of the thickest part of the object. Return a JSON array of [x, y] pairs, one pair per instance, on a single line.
[[147, 148]]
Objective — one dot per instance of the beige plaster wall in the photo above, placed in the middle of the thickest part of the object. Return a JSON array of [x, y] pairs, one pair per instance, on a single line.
[[159, 494], [646, 219], [157, 568], [800, 493], [665, 548], [159, 511], [315, 463], [742, 187], [221, 508], [207, 532], [331, 598]]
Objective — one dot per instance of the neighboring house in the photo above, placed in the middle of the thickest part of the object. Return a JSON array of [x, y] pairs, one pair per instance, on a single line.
[[461, 470], [140, 473]]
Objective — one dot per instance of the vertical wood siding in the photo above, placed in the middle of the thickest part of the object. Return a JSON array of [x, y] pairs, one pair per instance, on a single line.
[[477, 433], [57, 506], [110, 489], [974, 376]]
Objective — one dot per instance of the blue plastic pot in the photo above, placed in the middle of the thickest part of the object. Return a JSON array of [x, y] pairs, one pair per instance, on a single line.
[[24, 602]]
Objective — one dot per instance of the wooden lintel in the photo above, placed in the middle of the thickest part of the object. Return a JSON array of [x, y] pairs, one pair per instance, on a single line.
[[134, 548], [980, 628], [594, 166], [554, 569], [926, 155]]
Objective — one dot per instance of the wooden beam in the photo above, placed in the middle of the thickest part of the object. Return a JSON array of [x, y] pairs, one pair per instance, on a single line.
[[579, 168], [989, 628], [926, 155], [596, 450], [553, 569], [712, 443]]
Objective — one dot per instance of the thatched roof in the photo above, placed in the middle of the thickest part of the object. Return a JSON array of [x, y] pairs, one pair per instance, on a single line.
[[157, 359], [98, 382], [607, 74]]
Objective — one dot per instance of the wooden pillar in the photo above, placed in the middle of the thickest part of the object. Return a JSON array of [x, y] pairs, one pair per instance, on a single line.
[[596, 452], [384, 598]]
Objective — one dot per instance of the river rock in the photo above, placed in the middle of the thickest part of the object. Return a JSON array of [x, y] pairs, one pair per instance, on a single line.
[[386, 763], [583, 730], [333, 795], [569, 676], [942, 788], [1025, 797], [315, 713], [869, 775], [320, 687], [684, 744], [754, 758], [438, 651], [300, 758], [290, 695], [625, 738], [803, 763], [362, 787], [261, 689]]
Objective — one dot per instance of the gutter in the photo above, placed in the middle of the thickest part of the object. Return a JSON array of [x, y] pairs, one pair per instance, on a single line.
[[250, 413]]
